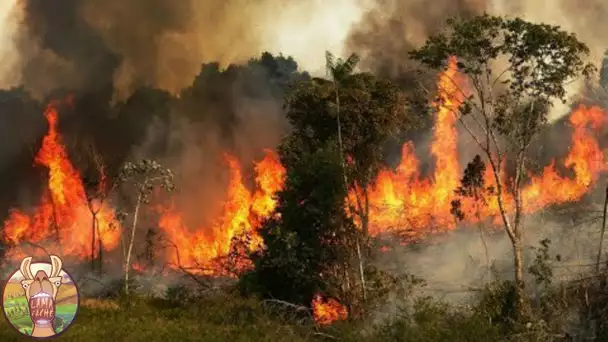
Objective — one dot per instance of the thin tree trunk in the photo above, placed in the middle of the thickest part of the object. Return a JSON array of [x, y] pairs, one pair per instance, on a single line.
[[517, 243], [131, 242], [361, 271], [93, 239], [512, 231], [99, 247], [343, 165], [520, 285], [603, 231]]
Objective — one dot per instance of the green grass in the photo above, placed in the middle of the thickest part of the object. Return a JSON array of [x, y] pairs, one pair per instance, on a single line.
[[218, 319], [228, 317]]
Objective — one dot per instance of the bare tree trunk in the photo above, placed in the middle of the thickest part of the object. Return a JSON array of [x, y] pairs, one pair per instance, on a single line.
[[99, 247], [520, 285], [514, 235], [361, 271], [131, 242], [603, 231], [93, 238]]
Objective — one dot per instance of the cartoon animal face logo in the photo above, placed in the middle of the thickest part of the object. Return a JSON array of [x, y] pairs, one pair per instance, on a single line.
[[40, 291]]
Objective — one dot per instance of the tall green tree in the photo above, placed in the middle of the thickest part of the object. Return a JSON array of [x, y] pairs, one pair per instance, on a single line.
[[514, 72], [339, 71], [339, 128], [357, 111], [306, 245]]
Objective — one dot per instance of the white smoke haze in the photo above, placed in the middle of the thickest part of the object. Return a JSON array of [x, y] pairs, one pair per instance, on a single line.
[[459, 263], [588, 22], [9, 59]]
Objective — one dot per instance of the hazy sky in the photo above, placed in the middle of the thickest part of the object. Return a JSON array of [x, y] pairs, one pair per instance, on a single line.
[[308, 29], [304, 30], [7, 48]]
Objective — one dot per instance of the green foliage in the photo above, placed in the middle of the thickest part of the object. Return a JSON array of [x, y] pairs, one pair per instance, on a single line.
[[340, 69], [514, 71], [510, 72], [472, 185], [541, 267], [307, 241], [497, 302], [541, 58], [429, 320], [371, 110], [384, 288]]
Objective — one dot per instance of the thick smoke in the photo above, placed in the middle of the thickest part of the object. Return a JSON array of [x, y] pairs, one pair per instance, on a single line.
[[115, 51], [455, 263], [160, 43], [136, 72], [391, 28]]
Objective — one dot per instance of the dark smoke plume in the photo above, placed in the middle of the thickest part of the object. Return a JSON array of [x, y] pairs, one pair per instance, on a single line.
[[135, 70], [158, 43], [391, 28]]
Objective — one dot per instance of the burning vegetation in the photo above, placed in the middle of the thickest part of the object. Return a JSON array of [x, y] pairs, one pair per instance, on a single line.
[[309, 213]]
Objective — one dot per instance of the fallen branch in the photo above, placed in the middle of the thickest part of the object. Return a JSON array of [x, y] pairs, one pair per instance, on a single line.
[[186, 270]]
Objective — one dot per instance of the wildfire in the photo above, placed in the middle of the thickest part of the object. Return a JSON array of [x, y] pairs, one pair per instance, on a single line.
[[327, 311], [63, 213], [241, 215], [398, 199]]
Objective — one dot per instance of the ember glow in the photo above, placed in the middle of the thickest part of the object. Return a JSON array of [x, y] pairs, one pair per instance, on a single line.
[[327, 311]]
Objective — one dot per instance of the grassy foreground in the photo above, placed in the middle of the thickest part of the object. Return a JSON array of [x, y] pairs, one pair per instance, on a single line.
[[226, 316], [219, 319], [229, 317]]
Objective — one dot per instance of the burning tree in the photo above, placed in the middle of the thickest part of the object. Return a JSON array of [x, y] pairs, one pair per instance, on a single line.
[[514, 71], [143, 178], [98, 187], [306, 247], [340, 126]]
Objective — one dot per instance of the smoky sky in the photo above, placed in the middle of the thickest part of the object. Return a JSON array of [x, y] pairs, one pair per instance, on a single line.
[[161, 43], [115, 53], [392, 28]]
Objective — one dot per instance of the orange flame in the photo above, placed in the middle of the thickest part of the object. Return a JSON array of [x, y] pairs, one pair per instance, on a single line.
[[328, 311], [399, 199], [63, 212], [242, 214]]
